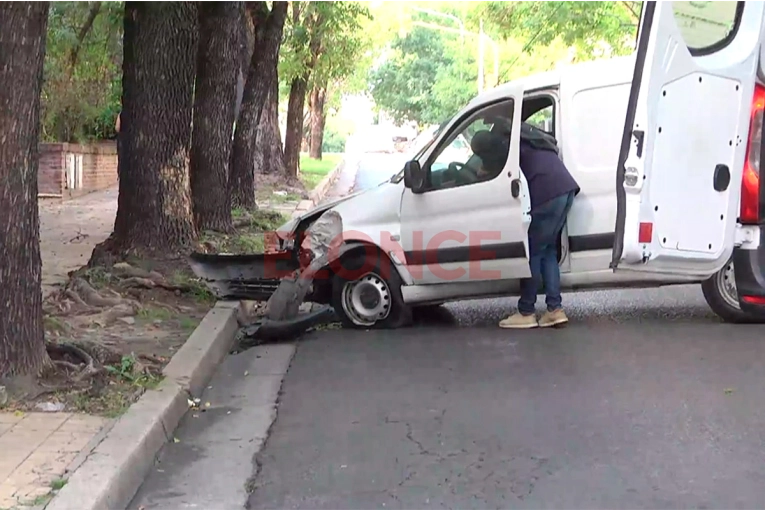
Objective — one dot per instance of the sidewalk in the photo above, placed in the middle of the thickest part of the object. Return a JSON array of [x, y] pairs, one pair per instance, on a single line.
[[37, 450]]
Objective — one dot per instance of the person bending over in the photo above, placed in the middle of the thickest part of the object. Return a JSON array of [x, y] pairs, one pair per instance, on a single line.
[[552, 190]]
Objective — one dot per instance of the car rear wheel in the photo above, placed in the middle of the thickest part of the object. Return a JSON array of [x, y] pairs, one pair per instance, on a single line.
[[372, 297], [722, 297]]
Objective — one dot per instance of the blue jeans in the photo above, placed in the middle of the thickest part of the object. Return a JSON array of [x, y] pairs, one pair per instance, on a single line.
[[547, 222]]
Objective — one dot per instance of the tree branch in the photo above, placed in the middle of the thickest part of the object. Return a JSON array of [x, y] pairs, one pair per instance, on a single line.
[[632, 10], [74, 54], [278, 15]]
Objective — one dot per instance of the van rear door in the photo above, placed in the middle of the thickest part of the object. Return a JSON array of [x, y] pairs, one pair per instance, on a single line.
[[685, 136]]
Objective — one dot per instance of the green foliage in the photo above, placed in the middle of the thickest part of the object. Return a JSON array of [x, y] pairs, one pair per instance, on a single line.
[[312, 171], [333, 141], [584, 25], [130, 371], [426, 78], [323, 41], [81, 102]]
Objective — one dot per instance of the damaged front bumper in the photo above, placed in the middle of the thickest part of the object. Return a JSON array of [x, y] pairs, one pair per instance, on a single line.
[[257, 276], [252, 277]]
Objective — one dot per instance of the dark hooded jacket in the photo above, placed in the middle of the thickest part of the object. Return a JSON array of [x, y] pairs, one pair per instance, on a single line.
[[546, 174]]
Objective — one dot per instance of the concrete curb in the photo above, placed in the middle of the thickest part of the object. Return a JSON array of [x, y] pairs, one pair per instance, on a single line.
[[112, 473]]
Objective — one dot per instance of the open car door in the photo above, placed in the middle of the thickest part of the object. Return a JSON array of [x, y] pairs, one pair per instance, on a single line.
[[685, 137]]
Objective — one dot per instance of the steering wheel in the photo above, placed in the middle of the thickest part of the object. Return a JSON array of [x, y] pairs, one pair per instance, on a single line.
[[463, 174]]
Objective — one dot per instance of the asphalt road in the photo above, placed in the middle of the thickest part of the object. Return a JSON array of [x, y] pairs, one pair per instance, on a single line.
[[644, 401], [641, 410]]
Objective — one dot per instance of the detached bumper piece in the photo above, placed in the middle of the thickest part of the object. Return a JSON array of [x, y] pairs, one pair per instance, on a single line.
[[252, 277], [749, 268], [265, 331]]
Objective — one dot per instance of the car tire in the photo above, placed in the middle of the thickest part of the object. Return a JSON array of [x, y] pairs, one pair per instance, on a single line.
[[372, 299], [721, 296]]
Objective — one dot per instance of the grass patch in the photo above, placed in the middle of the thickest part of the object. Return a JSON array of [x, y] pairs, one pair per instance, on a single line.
[[188, 324], [312, 171], [58, 484], [197, 289], [154, 313], [55, 325], [126, 381], [98, 277], [248, 237]]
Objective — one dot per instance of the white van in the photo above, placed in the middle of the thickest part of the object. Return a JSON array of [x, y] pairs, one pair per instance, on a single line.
[[664, 144]]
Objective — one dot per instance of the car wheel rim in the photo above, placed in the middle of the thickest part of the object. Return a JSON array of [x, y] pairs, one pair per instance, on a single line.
[[726, 283], [366, 300]]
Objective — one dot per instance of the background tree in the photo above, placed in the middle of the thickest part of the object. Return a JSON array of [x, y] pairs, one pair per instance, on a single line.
[[325, 40], [22, 52], [82, 79], [154, 204], [214, 113], [421, 80], [261, 75], [586, 26], [344, 43]]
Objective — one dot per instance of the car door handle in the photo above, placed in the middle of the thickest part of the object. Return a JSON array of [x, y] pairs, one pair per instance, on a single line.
[[515, 187]]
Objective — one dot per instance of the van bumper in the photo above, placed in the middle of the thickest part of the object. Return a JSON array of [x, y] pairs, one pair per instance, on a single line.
[[749, 268]]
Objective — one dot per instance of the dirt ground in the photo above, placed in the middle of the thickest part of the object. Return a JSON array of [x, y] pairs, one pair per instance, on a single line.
[[69, 231], [110, 330]]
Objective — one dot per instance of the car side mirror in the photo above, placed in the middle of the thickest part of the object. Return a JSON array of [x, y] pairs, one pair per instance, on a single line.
[[414, 176]]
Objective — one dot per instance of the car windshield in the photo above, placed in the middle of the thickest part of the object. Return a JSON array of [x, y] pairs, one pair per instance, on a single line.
[[400, 175]]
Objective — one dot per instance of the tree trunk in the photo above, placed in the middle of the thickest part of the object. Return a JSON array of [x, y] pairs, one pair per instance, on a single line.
[[218, 62], [265, 59], [305, 143], [154, 205], [269, 153], [294, 135], [318, 120], [22, 52]]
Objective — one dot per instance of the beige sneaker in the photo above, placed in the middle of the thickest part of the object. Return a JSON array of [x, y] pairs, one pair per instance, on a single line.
[[554, 318], [519, 321]]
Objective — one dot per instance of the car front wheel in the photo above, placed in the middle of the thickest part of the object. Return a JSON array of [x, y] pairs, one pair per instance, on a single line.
[[722, 297], [371, 298]]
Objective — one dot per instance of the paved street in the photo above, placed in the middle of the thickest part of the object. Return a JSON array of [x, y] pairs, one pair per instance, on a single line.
[[644, 401]]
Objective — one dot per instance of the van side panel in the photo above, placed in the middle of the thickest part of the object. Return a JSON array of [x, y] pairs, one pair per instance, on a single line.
[[593, 105]]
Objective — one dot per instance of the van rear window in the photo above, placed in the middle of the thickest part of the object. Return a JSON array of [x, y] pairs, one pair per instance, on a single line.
[[707, 27]]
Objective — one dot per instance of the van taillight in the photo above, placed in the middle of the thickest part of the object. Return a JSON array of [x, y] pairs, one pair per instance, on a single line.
[[750, 183]]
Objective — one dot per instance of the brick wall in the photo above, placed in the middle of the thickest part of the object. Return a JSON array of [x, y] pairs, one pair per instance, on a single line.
[[97, 164]]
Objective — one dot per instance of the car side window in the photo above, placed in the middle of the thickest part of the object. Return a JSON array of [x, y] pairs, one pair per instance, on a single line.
[[476, 151], [542, 119], [707, 26]]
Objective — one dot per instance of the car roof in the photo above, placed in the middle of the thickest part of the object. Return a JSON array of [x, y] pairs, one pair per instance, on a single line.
[[605, 69]]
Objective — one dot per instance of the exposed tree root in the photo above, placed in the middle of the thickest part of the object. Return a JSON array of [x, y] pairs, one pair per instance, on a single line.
[[87, 367]]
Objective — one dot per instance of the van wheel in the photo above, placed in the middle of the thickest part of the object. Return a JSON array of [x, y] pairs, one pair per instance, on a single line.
[[722, 297], [373, 299]]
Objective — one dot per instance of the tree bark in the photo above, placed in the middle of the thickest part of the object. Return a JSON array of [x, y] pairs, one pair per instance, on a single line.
[[154, 205], [218, 62], [318, 120], [269, 153], [269, 27], [305, 143], [294, 136], [22, 52]]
